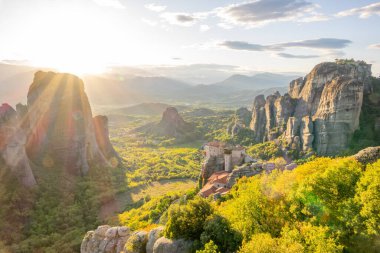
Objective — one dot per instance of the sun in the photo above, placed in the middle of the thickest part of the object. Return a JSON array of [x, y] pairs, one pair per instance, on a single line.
[[73, 38]]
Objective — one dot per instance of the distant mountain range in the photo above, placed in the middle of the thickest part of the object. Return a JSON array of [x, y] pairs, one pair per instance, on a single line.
[[123, 90]]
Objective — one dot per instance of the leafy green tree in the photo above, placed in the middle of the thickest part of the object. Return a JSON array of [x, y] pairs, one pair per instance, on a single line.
[[187, 221], [210, 247], [368, 197], [217, 229]]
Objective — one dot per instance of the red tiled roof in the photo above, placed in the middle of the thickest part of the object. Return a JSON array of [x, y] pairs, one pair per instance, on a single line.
[[222, 190], [219, 177], [207, 190]]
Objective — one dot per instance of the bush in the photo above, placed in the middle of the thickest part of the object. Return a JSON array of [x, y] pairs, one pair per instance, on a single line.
[[187, 221]]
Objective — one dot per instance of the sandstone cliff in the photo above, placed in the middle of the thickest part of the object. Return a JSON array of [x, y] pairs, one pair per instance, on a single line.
[[320, 111], [54, 129]]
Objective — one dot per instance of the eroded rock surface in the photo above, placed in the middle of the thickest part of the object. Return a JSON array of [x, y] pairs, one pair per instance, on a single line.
[[153, 236], [321, 111], [54, 129], [164, 245], [12, 145], [105, 239], [172, 124]]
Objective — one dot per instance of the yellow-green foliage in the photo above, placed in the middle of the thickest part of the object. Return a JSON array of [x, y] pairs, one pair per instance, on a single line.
[[152, 210], [368, 197], [150, 164], [264, 151], [322, 206]]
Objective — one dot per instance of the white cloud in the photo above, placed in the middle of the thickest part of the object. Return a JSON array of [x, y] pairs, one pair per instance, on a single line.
[[260, 12], [155, 7], [204, 28], [225, 26], [179, 18], [149, 22], [362, 12], [322, 44], [110, 3], [374, 46]]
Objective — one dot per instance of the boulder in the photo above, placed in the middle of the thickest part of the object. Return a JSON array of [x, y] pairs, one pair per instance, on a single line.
[[153, 236], [105, 239], [164, 245], [368, 155], [136, 243]]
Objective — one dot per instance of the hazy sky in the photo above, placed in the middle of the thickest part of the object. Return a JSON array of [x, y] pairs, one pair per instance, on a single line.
[[262, 35]]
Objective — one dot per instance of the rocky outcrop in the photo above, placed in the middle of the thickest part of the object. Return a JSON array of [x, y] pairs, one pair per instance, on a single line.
[[136, 243], [153, 236], [61, 124], [320, 111], [102, 137], [164, 245], [105, 239], [55, 128], [12, 145], [241, 120], [172, 124], [259, 120], [368, 155]]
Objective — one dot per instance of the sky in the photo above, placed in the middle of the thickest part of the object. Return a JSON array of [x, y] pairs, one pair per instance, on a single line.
[[239, 36]]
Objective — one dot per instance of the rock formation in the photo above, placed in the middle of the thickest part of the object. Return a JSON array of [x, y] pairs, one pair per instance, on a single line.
[[368, 155], [12, 145], [242, 120], [164, 245], [55, 128], [153, 236], [320, 111], [105, 239], [172, 124]]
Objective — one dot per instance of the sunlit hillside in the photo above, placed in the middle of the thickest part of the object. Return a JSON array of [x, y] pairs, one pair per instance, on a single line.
[[246, 126]]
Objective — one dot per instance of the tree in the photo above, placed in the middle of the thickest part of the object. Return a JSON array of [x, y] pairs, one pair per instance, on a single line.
[[368, 197], [187, 221], [217, 229], [210, 247]]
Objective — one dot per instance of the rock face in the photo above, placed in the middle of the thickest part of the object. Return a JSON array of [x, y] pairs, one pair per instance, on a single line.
[[368, 155], [105, 239], [242, 119], [102, 136], [172, 124], [12, 145], [136, 243], [153, 236], [55, 128], [164, 245], [320, 111]]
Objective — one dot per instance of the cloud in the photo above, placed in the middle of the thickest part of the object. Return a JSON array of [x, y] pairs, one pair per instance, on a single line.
[[323, 43], [225, 26], [155, 7], [362, 12], [256, 13], [204, 28], [110, 3], [181, 19], [242, 45], [293, 56], [374, 46], [149, 22]]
